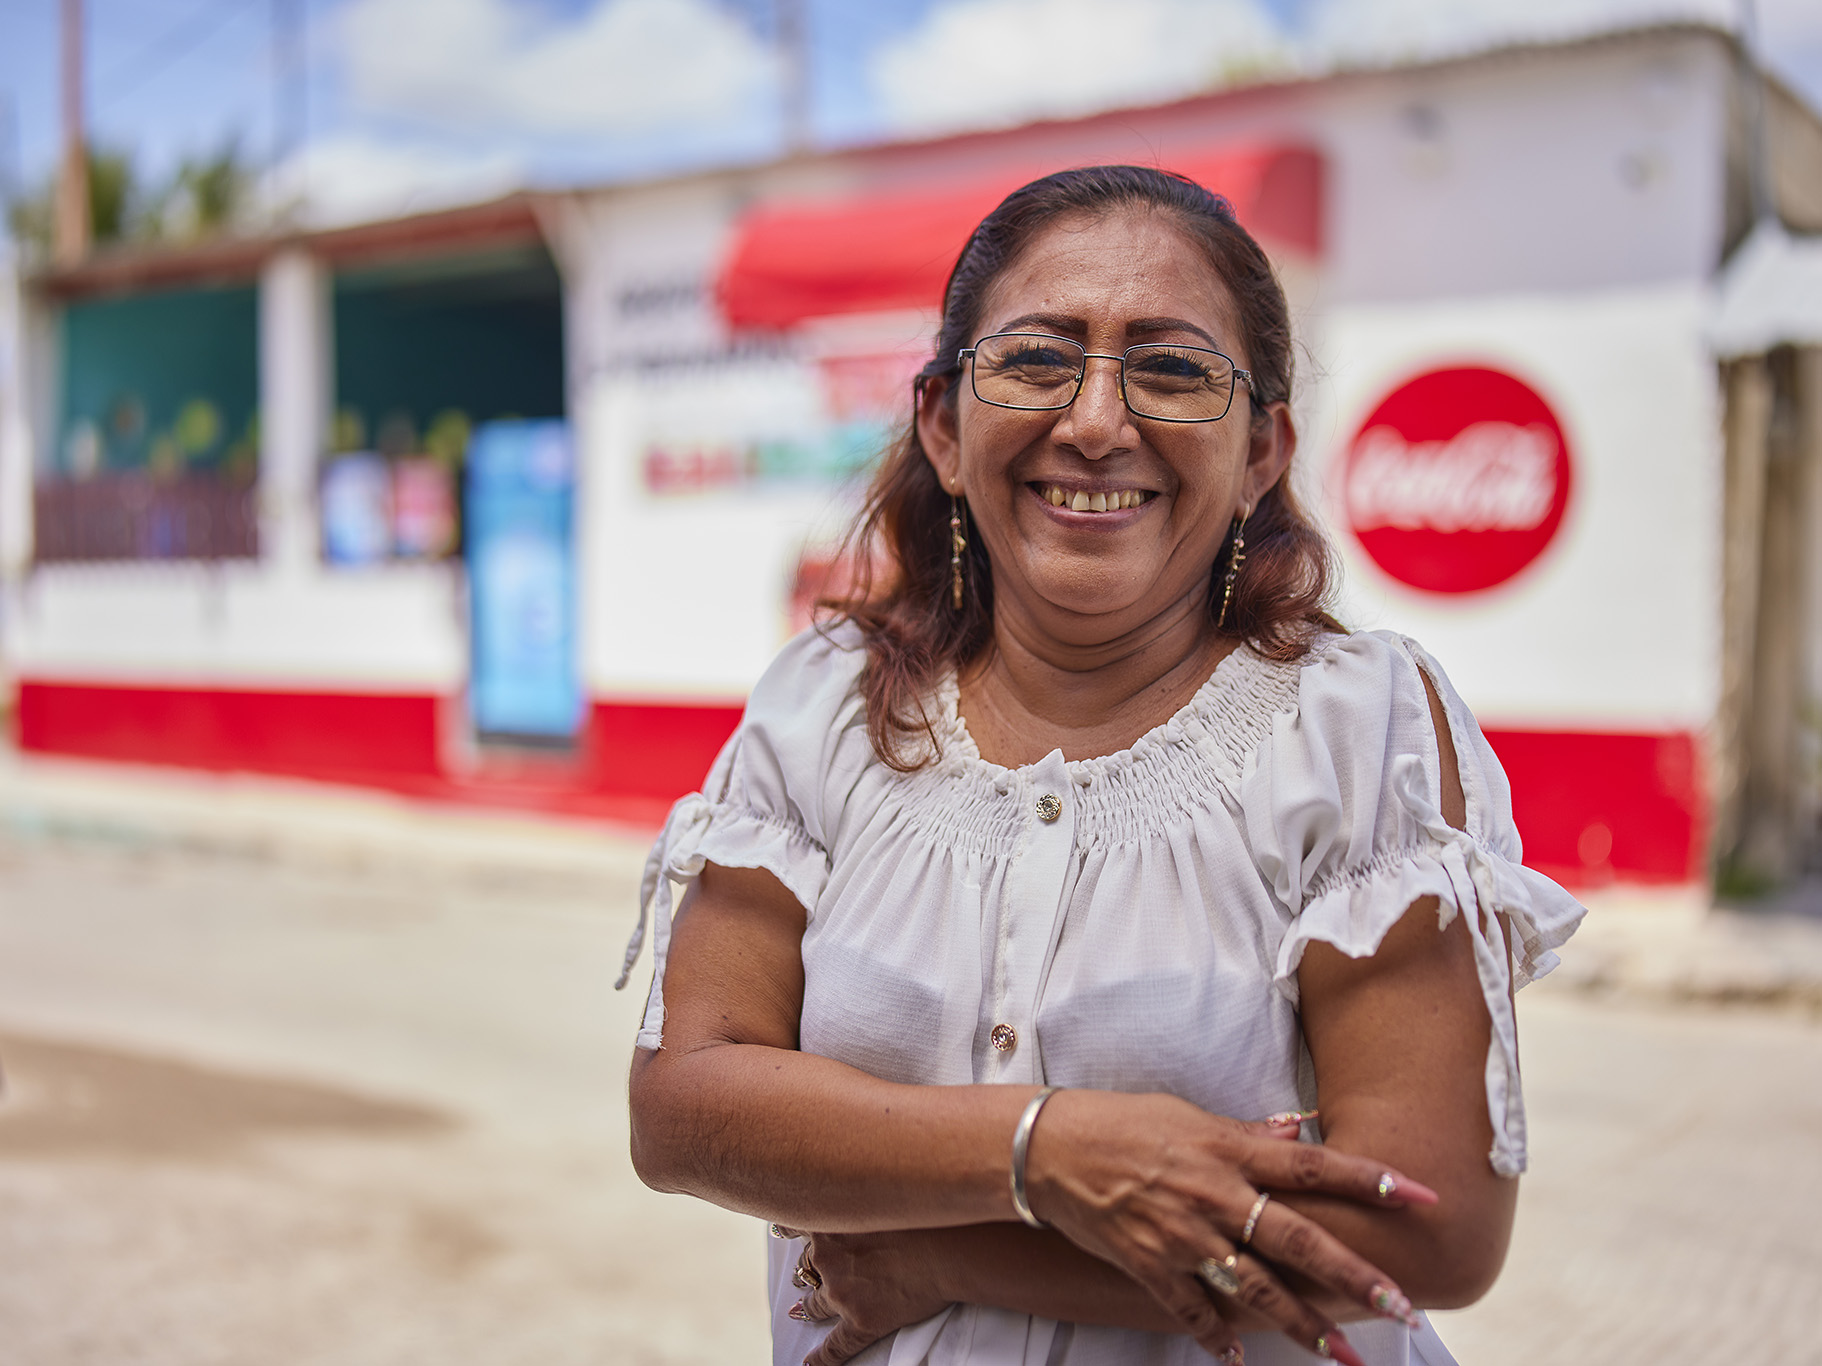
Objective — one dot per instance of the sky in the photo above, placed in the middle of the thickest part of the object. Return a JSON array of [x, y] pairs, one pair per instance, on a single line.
[[407, 104]]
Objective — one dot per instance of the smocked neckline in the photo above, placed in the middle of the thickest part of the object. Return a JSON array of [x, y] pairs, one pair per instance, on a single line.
[[959, 749]]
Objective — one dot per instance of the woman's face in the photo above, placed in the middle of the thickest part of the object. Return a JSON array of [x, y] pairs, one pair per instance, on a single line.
[[1108, 282]]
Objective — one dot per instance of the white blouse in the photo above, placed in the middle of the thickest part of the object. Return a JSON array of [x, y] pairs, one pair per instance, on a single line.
[[1130, 923]]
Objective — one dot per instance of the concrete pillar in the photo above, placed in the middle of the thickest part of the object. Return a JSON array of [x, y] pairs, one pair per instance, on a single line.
[[15, 426], [21, 333], [1769, 840], [296, 379], [1769, 793], [1807, 755], [1747, 386]]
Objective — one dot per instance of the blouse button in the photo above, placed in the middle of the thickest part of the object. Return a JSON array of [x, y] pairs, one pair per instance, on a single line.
[[1004, 1038], [1049, 808]]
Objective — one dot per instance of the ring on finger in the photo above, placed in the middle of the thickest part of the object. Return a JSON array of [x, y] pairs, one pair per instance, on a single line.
[[1252, 1218], [1223, 1277], [804, 1276]]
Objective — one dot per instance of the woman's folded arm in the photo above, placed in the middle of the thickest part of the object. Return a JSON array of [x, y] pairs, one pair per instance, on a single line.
[[730, 1110], [1399, 1043]]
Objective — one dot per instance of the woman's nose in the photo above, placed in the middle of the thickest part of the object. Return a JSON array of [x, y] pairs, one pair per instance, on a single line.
[[1098, 423]]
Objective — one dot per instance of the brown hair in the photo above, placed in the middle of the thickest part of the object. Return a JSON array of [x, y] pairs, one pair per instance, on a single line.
[[900, 543]]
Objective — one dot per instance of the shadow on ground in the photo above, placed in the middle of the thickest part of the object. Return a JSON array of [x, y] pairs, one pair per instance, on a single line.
[[68, 1100]]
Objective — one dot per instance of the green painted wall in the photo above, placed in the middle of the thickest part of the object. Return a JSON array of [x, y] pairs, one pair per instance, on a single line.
[[481, 334], [168, 380]]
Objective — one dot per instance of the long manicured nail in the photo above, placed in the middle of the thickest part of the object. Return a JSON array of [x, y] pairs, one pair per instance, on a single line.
[[798, 1312], [1403, 1188], [1285, 1118], [1233, 1356], [1393, 1304], [778, 1231], [1337, 1348]]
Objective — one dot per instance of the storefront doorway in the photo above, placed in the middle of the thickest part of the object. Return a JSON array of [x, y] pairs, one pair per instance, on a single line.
[[450, 441]]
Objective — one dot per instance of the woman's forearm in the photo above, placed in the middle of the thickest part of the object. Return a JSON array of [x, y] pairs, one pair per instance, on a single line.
[[730, 1110], [1443, 1256], [1031, 1271], [811, 1143]]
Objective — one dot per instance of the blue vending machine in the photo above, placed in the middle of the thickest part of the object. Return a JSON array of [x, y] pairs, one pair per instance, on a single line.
[[519, 526]]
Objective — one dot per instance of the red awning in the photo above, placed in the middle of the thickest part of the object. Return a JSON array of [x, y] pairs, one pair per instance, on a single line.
[[795, 261]]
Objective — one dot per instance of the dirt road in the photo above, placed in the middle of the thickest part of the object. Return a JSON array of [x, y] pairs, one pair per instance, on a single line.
[[369, 1112]]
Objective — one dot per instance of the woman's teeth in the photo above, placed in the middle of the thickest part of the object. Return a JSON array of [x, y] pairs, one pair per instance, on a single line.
[[1112, 500]]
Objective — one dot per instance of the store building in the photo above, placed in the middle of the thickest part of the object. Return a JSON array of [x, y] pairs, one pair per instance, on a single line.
[[653, 403]]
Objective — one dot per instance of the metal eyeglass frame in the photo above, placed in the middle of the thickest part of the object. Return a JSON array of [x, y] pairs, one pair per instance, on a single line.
[[963, 356]]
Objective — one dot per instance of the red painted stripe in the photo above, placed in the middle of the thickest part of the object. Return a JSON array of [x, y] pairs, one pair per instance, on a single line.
[[656, 749], [345, 737], [1591, 807], [634, 759], [1600, 807]]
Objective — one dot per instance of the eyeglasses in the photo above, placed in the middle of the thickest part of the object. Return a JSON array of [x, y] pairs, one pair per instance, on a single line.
[[1161, 381]]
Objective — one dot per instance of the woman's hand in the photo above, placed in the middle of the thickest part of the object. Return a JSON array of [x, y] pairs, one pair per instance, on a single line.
[[869, 1284], [1155, 1186]]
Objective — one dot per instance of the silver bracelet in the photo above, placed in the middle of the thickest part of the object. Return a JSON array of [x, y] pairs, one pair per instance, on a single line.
[[1021, 1145]]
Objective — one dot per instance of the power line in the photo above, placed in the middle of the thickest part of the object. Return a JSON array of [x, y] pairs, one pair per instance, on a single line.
[[169, 48]]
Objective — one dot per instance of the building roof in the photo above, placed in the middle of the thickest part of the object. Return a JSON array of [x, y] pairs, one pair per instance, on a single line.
[[494, 223], [515, 218], [1769, 294]]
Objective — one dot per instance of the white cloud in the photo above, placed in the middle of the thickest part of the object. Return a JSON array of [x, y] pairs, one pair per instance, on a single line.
[[1789, 22], [625, 66], [1790, 40], [975, 62], [351, 178]]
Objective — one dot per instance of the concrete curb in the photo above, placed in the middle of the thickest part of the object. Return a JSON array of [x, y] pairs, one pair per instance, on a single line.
[[1666, 945], [1674, 946], [315, 824]]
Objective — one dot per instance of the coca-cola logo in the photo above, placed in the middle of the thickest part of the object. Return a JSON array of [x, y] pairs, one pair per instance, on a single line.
[[1457, 480]]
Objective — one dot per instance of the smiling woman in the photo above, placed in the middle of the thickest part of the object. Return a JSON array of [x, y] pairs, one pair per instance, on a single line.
[[1049, 891], [1192, 249]]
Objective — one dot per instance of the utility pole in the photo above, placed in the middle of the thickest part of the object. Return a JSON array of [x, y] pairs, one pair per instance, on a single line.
[[794, 73], [73, 227]]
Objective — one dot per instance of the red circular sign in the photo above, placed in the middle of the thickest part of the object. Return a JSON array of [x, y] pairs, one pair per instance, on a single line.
[[1457, 480]]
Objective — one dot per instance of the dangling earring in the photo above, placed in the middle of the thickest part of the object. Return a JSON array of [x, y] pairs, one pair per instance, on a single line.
[[957, 544], [1235, 559]]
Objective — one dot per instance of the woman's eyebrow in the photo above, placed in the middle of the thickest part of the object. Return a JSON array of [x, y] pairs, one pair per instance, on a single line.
[[1048, 322], [1067, 325], [1145, 327]]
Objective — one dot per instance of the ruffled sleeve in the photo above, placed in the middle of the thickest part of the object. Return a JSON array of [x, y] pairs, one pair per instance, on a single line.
[[1344, 816], [765, 803]]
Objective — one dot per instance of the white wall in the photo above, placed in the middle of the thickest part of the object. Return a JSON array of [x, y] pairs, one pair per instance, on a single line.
[[685, 595], [1595, 168], [247, 624], [1616, 625]]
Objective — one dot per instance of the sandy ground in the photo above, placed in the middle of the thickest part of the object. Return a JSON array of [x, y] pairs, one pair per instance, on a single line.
[[258, 1112], [313, 1109]]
